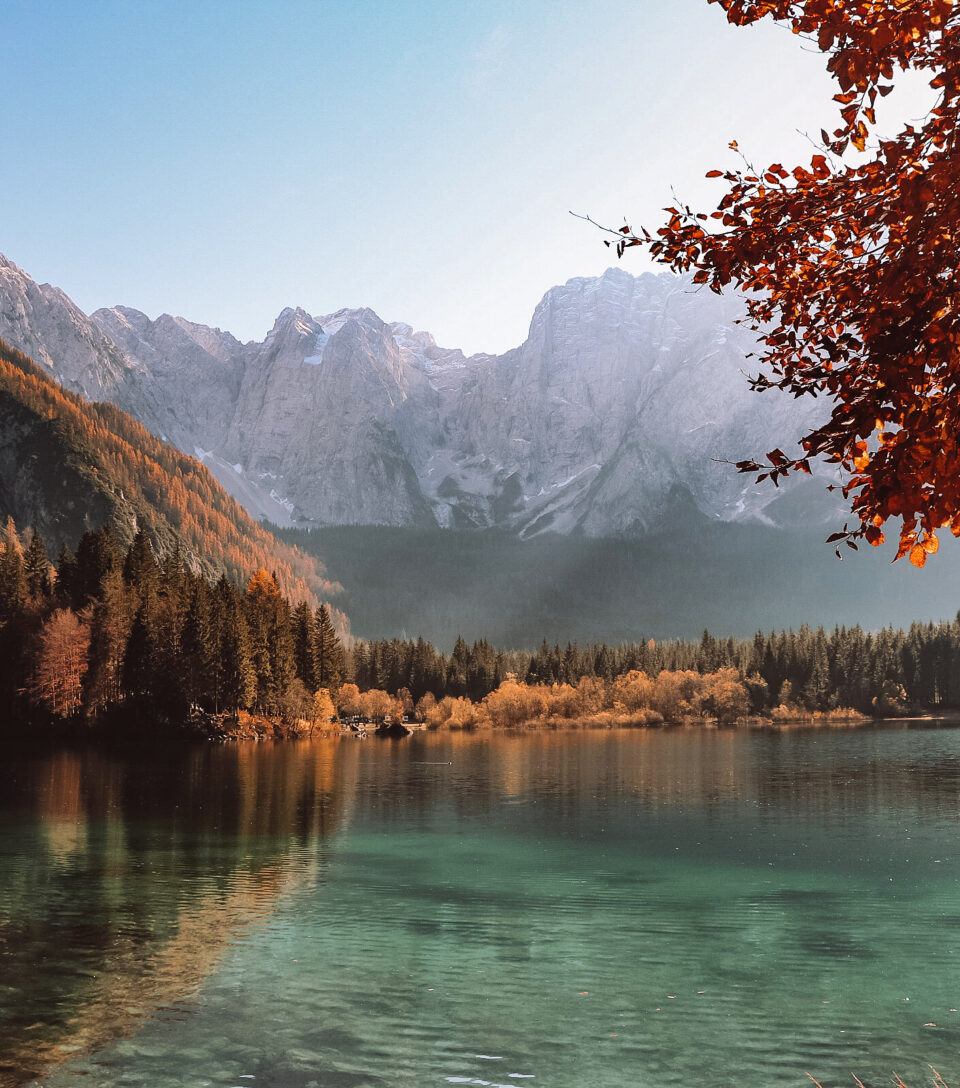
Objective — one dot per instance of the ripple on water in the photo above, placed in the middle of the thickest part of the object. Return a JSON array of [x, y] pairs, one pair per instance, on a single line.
[[640, 918]]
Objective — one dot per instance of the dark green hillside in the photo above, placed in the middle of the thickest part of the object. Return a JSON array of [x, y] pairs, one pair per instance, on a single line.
[[730, 578], [67, 466]]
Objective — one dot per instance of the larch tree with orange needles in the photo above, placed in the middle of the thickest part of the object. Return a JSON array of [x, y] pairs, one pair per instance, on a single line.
[[850, 268]]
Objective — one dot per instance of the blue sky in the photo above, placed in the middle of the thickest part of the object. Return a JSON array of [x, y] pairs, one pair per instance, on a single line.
[[222, 160]]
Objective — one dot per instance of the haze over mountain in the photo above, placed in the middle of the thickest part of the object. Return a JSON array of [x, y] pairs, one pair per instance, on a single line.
[[623, 400]]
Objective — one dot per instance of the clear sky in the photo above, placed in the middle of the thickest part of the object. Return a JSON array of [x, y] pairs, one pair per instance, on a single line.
[[223, 159]]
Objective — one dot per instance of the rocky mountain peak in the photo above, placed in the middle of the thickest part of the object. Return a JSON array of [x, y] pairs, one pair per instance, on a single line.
[[405, 335], [292, 338], [41, 321], [625, 398]]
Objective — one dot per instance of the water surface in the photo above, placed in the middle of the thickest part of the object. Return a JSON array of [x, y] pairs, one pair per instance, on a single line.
[[559, 909]]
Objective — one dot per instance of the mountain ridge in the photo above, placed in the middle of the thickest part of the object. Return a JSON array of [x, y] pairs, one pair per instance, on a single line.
[[625, 390]]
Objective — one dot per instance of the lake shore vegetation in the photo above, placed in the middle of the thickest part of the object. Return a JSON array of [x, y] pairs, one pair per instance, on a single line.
[[108, 636]]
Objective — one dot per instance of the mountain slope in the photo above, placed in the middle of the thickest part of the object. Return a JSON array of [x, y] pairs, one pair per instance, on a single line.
[[627, 391], [67, 466]]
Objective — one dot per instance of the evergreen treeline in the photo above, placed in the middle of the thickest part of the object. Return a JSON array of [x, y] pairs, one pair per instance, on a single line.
[[110, 629], [813, 670], [116, 629]]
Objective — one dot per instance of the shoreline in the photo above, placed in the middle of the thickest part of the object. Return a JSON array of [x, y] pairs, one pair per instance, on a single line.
[[131, 731]]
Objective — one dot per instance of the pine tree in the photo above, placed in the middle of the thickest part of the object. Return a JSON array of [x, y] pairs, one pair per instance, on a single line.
[[328, 655], [38, 571], [305, 646], [238, 679], [13, 576]]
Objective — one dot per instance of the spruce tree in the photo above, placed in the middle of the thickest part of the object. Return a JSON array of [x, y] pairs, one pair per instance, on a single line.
[[329, 656], [67, 588], [13, 576], [271, 641], [200, 649], [305, 646], [38, 570], [457, 669], [140, 564], [13, 597], [420, 669], [238, 679], [282, 661], [97, 554], [138, 661], [109, 632]]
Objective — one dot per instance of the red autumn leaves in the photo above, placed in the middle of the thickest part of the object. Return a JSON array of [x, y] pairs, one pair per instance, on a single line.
[[850, 268]]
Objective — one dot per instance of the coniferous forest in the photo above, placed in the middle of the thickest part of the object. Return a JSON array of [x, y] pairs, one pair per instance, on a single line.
[[112, 634], [109, 632]]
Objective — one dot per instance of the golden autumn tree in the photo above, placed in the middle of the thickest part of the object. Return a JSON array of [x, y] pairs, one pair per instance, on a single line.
[[323, 709], [60, 663], [850, 267], [348, 700]]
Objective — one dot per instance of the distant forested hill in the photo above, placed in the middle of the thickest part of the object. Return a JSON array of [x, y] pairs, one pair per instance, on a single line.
[[67, 465], [730, 578]]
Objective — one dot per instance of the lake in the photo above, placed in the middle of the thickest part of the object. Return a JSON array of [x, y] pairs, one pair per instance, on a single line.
[[564, 909]]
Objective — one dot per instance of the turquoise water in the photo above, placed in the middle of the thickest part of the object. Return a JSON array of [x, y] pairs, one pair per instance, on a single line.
[[558, 909]]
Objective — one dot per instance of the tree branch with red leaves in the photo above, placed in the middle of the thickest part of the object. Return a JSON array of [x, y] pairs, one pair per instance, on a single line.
[[850, 268]]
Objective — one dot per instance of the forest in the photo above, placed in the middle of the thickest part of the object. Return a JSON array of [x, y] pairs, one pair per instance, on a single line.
[[112, 633], [118, 635]]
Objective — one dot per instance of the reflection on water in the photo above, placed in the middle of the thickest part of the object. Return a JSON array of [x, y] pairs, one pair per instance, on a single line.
[[125, 882], [589, 908]]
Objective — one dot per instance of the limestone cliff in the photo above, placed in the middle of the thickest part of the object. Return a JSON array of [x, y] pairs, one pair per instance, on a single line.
[[626, 398]]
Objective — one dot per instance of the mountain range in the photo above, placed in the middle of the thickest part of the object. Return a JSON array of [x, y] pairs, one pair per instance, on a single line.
[[626, 398], [573, 488]]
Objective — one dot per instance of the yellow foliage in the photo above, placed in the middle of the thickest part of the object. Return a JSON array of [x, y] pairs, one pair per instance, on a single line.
[[514, 703], [378, 705], [262, 583], [323, 708], [454, 713], [348, 699], [634, 699]]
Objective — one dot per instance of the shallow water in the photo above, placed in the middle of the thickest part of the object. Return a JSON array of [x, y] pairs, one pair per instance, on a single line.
[[560, 909]]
